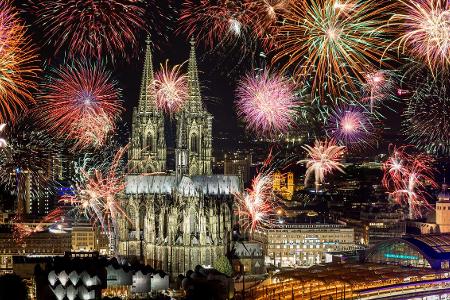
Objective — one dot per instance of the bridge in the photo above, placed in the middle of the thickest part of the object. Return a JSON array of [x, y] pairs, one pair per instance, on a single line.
[[351, 281]]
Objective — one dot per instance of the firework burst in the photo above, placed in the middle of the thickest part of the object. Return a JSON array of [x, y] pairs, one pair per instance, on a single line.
[[256, 206], [3, 142], [223, 22], [427, 117], [379, 86], [323, 158], [17, 64], [26, 161], [424, 28], [352, 127], [91, 28], [406, 177], [266, 102], [395, 167], [21, 231], [266, 15], [334, 42], [171, 88], [96, 195], [80, 103]]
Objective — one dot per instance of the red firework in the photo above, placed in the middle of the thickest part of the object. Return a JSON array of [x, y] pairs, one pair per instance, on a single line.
[[91, 28], [216, 22], [17, 64], [22, 231], [97, 195], [256, 206], [81, 103], [406, 177]]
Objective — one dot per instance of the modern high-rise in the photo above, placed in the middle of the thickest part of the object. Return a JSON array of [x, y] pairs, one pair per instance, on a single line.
[[238, 163]]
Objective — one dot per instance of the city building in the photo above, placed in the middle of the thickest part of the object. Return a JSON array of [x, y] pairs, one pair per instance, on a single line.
[[88, 238], [250, 255], [289, 245], [51, 242], [438, 221], [443, 210], [180, 219], [6, 217], [380, 224], [238, 163], [434, 220], [353, 281], [283, 183], [34, 199], [124, 280], [84, 238], [86, 275], [38, 243]]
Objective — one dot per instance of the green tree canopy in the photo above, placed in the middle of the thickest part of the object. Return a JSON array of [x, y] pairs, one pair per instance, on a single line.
[[222, 264]]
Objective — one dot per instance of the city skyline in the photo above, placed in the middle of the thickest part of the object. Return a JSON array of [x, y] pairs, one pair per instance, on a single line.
[[224, 149]]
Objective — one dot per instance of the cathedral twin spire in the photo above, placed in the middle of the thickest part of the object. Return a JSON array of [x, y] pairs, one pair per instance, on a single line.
[[194, 128], [147, 98]]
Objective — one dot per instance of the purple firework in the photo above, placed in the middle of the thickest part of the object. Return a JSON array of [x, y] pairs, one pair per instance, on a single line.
[[266, 102], [351, 126]]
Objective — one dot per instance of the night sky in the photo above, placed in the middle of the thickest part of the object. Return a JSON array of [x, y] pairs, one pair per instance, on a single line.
[[217, 87], [216, 78], [219, 69]]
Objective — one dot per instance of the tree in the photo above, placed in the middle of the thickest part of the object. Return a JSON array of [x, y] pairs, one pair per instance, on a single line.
[[222, 264]]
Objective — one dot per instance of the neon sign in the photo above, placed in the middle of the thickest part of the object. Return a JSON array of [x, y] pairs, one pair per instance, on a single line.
[[400, 256]]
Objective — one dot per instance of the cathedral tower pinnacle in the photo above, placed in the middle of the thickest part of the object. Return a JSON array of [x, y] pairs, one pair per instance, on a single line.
[[195, 98], [194, 128], [147, 152], [146, 97]]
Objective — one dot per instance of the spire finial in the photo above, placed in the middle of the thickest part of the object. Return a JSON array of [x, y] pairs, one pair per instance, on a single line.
[[193, 81], [146, 97]]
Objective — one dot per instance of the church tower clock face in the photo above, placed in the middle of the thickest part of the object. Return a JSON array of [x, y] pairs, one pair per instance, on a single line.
[[180, 218]]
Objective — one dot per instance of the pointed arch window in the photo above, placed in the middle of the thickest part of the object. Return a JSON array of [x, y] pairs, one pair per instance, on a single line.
[[193, 221], [194, 143], [132, 216], [142, 215], [141, 141], [149, 143]]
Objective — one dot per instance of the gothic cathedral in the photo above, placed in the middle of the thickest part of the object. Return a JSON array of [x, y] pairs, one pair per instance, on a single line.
[[179, 218]]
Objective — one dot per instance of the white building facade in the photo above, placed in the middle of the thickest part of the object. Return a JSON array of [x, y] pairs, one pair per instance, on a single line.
[[289, 245]]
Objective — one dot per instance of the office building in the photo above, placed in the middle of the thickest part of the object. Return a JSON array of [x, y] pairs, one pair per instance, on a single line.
[[289, 245], [238, 163]]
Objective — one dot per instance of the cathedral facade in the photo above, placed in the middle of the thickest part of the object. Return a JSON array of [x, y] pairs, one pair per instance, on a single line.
[[177, 218]]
